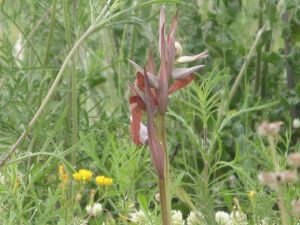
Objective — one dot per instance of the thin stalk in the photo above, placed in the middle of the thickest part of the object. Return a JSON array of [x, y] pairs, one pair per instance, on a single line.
[[51, 31], [265, 70], [245, 65], [279, 189], [259, 51], [289, 71], [73, 124], [164, 188]]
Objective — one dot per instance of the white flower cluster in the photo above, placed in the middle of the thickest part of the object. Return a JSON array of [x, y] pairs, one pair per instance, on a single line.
[[94, 210], [196, 218]]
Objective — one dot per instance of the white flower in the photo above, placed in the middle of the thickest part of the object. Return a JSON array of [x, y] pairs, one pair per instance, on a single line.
[[195, 219], [222, 218], [139, 217], [94, 210], [296, 123], [238, 218], [177, 218]]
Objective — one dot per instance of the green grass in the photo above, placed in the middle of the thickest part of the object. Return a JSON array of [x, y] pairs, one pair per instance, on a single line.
[[64, 100]]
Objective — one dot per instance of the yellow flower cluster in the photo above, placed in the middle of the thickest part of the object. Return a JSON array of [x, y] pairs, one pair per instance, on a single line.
[[83, 175], [102, 180]]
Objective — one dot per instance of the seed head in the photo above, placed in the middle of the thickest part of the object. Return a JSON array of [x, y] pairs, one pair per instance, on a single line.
[[294, 159], [269, 129]]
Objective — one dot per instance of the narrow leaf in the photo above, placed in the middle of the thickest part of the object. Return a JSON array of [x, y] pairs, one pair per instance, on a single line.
[[153, 80]]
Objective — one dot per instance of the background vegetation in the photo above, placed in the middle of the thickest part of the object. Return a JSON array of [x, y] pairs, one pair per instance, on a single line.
[[82, 47]]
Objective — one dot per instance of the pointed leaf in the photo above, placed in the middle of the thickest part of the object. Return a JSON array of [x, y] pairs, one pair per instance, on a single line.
[[180, 73], [137, 92], [153, 80], [180, 83], [150, 63], [188, 59], [163, 75], [162, 22]]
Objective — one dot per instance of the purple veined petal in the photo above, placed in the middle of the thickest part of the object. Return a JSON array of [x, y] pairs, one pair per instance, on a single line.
[[153, 80], [180, 73], [155, 147], [137, 91], [187, 59]]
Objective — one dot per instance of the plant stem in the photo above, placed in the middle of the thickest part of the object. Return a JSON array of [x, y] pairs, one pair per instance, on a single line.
[[259, 50], [289, 70], [265, 70], [164, 189], [279, 189], [51, 32], [73, 86]]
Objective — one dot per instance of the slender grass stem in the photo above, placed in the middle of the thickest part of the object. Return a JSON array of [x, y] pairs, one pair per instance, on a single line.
[[50, 33], [73, 106], [279, 189], [259, 51]]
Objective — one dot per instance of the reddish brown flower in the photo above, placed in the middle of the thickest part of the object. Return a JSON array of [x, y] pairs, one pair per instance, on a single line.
[[169, 80]]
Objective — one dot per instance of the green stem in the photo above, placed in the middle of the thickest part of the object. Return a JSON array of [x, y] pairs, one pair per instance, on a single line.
[[51, 31], [279, 189], [259, 51], [73, 86], [164, 188]]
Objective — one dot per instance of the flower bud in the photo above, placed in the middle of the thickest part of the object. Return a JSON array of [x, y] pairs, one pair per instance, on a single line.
[[296, 123], [178, 49]]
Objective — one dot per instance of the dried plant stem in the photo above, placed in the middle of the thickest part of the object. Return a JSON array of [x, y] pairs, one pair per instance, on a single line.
[[279, 189], [164, 189]]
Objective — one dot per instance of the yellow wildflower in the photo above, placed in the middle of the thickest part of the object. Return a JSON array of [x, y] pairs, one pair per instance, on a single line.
[[77, 176], [251, 194], [85, 174], [102, 180]]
